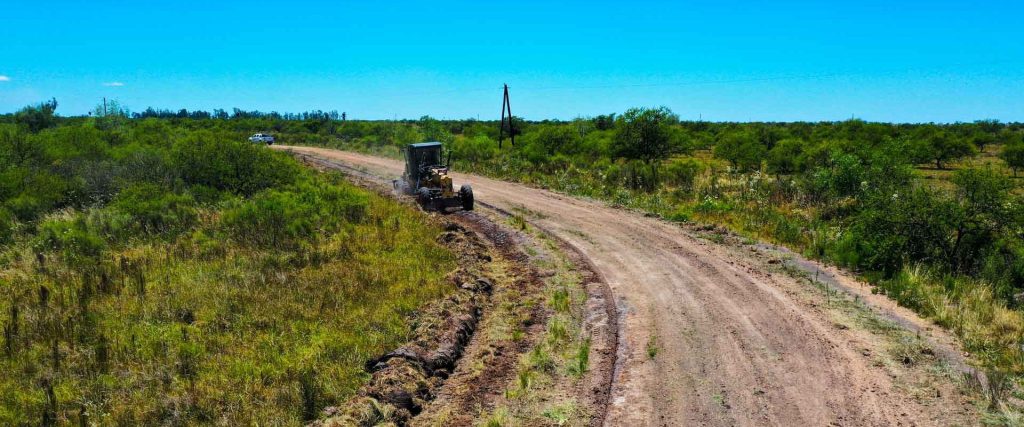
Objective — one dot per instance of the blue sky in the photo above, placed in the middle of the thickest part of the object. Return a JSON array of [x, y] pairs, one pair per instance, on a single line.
[[907, 61]]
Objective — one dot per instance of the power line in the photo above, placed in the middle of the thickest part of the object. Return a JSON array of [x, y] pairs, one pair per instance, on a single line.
[[711, 81]]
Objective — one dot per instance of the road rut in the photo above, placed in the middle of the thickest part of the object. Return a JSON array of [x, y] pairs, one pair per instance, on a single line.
[[706, 336]]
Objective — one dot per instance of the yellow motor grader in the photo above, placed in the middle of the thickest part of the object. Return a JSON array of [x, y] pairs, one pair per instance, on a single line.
[[426, 177]]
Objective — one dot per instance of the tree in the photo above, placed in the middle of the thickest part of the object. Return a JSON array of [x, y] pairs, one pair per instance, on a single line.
[[1007, 136], [112, 108], [605, 121], [1013, 155], [988, 126], [981, 215], [434, 130], [920, 224], [682, 172], [645, 134], [981, 139], [37, 117], [941, 147], [17, 149], [783, 158], [556, 138], [741, 149]]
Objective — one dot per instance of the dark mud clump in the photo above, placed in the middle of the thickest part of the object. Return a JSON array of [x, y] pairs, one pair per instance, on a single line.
[[404, 380]]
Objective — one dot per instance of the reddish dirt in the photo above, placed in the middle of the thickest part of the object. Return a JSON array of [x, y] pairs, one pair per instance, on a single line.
[[736, 344]]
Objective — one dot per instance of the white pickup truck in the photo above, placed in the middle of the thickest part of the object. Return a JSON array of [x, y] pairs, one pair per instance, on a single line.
[[262, 138]]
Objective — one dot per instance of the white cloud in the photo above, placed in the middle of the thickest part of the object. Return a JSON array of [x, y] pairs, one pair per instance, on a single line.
[[113, 84], [4, 78]]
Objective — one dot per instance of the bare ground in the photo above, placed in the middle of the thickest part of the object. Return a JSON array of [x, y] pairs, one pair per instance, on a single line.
[[716, 333]]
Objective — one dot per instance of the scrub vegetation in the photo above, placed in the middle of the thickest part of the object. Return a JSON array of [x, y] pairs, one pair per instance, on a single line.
[[156, 272], [931, 214]]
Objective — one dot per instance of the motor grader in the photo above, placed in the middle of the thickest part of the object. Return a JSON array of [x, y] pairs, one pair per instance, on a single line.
[[427, 177]]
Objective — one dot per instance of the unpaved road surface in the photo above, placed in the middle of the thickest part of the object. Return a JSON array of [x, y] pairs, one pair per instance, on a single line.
[[731, 344]]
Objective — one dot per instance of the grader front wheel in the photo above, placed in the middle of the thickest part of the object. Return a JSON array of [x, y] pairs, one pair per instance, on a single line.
[[466, 195], [424, 199]]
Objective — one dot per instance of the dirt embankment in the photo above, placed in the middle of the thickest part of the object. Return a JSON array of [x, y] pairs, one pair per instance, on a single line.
[[426, 383], [404, 380], [713, 334]]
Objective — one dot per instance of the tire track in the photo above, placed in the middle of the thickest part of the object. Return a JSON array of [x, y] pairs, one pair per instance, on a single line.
[[706, 335]]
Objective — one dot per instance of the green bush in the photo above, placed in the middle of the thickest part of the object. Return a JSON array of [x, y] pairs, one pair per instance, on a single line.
[[472, 150], [72, 236], [75, 143], [37, 117], [155, 210], [7, 222], [17, 148], [29, 193], [903, 227], [679, 215], [144, 163], [920, 224], [681, 173], [231, 165], [282, 218], [784, 157], [632, 174], [905, 288], [711, 206], [742, 150], [1013, 155]]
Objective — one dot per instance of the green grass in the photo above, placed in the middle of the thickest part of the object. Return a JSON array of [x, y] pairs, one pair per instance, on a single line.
[[204, 329], [759, 206], [652, 347]]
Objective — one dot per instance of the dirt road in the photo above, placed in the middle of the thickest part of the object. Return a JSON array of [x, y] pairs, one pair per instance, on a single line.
[[708, 336]]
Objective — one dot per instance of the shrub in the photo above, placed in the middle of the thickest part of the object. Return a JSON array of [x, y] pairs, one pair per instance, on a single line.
[[154, 209], [633, 174], [919, 224], [72, 236], [473, 150], [557, 139], [280, 219], [842, 178], [6, 226], [679, 215], [18, 149], [682, 172], [75, 142], [235, 166], [712, 206], [891, 231], [140, 163], [1013, 155], [28, 193], [741, 149], [941, 147], [646, 134], [37, 117], [783, 158]]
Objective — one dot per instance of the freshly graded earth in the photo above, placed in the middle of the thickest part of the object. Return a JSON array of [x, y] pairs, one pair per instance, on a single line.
[[716, 334]]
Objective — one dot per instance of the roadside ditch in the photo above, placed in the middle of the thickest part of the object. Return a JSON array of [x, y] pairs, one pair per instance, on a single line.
[[529, 333]]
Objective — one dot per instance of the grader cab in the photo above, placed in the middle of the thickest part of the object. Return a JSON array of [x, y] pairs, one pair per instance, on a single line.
[[426, 177]]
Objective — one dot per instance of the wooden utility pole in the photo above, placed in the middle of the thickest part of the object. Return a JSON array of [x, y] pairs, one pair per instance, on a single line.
[[506, 106]]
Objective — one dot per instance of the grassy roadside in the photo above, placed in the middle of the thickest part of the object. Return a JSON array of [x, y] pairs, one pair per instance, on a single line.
[[763, 207], [548, 376], [222, 321]]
